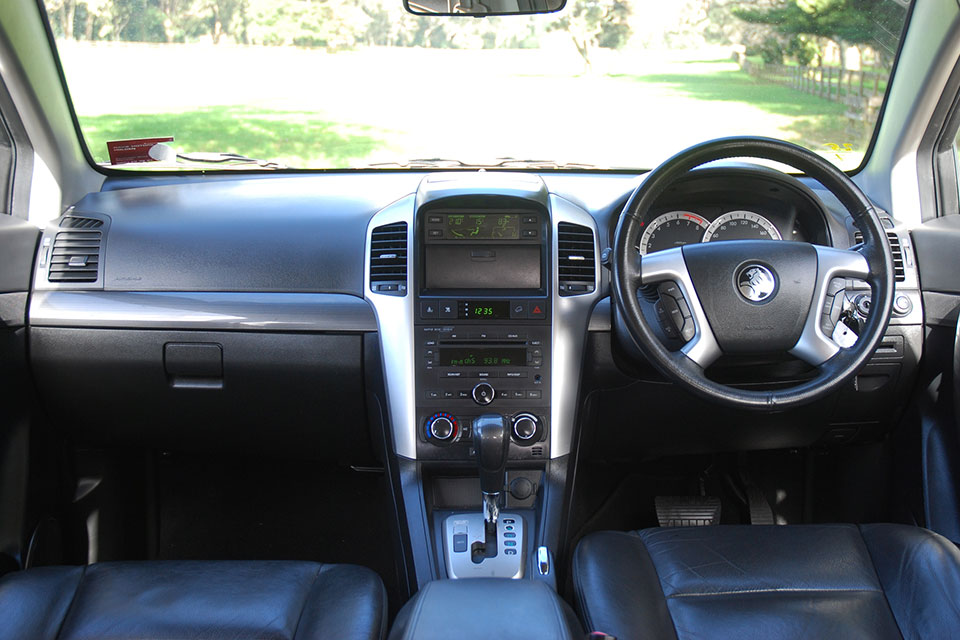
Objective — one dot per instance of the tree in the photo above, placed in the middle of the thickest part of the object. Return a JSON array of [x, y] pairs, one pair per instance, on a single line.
[[175, 15], [95, 12], [593, 23], [846, 22], [64, 11]]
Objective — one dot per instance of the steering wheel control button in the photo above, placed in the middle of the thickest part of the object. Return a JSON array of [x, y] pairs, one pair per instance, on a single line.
[[483, 394], [756, 283], [674, 313], [663, 317]]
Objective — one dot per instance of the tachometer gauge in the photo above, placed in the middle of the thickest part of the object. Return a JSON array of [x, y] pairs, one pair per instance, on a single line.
[[673, 229], [741, 225]]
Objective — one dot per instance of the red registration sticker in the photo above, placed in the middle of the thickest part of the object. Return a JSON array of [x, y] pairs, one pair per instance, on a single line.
[[127, 151]]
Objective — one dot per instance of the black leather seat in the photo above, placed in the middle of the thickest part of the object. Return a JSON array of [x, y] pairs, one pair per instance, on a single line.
[[187, 600], [807, 581]]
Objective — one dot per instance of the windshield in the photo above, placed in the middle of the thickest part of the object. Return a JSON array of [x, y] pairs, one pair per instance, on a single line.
[[360, 83]]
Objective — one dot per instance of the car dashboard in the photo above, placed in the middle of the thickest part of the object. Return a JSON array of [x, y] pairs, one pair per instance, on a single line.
[[360, 317]]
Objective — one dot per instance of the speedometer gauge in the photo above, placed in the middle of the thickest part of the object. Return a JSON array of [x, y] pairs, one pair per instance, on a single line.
[[673, 229], [741, 225]]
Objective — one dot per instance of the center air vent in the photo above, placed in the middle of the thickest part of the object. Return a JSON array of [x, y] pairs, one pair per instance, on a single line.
[[576, 259], [388, 259], [895, 249], [76, 254]]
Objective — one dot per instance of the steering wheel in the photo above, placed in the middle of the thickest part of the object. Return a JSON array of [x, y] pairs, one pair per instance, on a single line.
[[753, 296]]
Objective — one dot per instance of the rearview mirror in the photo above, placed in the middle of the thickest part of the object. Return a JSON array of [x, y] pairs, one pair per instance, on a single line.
[[481, 7]]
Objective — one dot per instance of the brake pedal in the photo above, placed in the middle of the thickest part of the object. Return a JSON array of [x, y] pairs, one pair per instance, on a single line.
[[687, 511]]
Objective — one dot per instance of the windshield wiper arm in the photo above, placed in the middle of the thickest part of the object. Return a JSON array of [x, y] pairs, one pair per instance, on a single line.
[[504, 163], [540, 164], [414, 163], [232, 158]]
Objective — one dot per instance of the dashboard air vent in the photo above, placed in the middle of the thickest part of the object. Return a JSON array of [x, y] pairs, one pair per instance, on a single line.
[[388, 259], [77, 222], [576, 259], [895, 249], [75, 256]]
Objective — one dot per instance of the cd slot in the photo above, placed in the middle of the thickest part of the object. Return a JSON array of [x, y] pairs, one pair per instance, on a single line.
[[463, 342]]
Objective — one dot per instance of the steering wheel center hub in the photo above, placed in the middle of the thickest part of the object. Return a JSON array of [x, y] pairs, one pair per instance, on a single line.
[[756, 283], [755, 293]]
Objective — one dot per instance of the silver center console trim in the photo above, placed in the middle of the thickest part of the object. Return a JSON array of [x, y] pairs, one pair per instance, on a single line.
[[571, 317], [227, 311], [395, 322], [509, 561]]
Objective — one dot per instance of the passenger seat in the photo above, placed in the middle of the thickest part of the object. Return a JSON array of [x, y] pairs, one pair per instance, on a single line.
[[189, 599]]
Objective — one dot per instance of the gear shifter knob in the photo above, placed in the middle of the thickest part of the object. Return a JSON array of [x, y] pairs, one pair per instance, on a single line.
[[493, 444]]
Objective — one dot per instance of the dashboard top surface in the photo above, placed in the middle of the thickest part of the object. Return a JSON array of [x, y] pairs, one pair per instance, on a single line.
[[306, 233]]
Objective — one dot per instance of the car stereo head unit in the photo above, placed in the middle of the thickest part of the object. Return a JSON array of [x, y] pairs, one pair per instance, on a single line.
[[495, 250]]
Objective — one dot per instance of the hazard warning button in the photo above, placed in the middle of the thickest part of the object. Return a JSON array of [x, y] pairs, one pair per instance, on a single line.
[[537, 310]]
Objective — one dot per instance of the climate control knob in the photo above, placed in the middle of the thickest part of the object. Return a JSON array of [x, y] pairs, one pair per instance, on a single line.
[[525, 426], [483, 393], [442, 427]]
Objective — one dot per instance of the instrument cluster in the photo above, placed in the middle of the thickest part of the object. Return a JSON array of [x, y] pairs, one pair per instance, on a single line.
[[678, 228]]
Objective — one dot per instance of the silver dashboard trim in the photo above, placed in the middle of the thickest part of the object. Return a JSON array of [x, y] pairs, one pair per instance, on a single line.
[[394, 317], [571, 319], [229, 311]]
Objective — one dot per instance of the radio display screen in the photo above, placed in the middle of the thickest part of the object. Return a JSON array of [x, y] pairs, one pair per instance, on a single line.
[[482, 226], [482, 356]]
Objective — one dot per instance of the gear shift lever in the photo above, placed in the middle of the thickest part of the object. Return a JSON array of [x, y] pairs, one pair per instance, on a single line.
[[493, 444]]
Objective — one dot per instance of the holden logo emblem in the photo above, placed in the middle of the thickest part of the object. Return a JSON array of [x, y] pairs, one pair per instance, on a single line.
[[756, 283]]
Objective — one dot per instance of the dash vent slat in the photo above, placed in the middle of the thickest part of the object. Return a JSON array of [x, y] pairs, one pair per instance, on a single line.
[[78, 222], [576, 259], [75, 256], [895, 248], [388, 259]]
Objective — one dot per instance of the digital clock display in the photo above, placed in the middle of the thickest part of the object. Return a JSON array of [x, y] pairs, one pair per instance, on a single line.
[[482, 357], [472, 310]]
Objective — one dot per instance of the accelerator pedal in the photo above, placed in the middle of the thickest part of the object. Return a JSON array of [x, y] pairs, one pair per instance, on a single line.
[[760, 510], [687, 511]]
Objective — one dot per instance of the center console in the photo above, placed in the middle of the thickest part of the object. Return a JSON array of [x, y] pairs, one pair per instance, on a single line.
[[482, 328], [483, 285]]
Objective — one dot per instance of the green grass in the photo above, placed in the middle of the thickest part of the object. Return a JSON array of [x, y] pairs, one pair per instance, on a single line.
[[306, 108], [289, 137], [721, 84]]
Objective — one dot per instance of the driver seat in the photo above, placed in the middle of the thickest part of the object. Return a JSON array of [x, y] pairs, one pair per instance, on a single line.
[[744, 582]]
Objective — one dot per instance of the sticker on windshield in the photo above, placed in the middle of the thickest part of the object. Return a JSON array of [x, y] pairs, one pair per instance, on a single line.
[[138, 150]]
